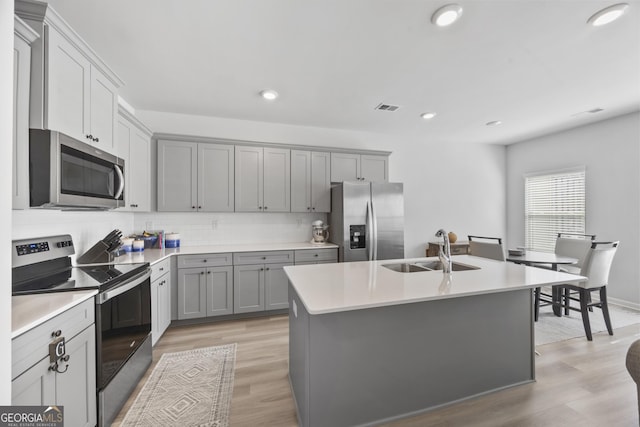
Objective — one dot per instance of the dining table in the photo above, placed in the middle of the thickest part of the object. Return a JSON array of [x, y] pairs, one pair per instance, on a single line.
[[543, 259]]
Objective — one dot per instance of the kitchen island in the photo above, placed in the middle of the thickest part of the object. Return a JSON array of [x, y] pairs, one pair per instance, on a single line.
[[369, 345]]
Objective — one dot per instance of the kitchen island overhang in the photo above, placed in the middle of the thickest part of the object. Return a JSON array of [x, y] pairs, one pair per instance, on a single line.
[[368, 345]]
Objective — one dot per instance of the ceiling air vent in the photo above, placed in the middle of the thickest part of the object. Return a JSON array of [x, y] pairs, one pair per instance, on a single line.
[[387, 107]]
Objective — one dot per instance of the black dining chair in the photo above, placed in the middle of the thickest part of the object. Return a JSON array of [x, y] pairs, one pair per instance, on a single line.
[[596, 268]]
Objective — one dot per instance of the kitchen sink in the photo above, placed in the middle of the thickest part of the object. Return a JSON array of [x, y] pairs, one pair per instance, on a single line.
[[406, 267], [455, 266]]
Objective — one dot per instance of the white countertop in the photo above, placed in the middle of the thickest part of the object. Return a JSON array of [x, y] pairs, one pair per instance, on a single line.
[[329, 288], [29, 311], [154, 255]]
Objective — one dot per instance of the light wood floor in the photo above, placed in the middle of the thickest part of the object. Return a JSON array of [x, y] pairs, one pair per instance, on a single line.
[[579, 383]]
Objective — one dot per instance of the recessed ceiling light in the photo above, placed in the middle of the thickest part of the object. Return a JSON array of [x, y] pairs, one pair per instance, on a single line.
[[608, 14], [494, 123], [269, 94], [446, 15], [428, 116]]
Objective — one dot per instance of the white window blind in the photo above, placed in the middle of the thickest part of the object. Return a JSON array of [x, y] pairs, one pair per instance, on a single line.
[[554, 203]]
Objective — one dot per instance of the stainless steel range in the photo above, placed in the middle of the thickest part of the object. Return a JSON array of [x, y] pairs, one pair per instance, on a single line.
[[123, 310]]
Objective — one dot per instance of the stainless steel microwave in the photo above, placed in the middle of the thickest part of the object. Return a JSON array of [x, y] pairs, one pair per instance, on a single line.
[[65, 173]]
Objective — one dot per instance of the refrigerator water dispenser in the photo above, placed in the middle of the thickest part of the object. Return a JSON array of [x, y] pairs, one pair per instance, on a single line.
[[357, 237]]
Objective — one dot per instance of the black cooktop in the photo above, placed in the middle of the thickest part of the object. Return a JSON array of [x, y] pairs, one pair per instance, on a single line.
[[73, 278]]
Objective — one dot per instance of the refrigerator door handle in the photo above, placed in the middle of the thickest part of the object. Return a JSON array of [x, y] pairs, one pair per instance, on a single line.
[[369, 228], [374, 229]]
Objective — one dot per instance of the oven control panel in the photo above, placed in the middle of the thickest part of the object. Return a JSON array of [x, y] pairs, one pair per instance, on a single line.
[[31, 251], [32, 248]]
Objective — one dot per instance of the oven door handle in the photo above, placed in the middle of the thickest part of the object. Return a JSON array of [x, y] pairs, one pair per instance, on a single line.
[[118, 290]]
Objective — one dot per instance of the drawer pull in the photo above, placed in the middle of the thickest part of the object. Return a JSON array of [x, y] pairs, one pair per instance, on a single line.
[[161, 268], [56, 333]]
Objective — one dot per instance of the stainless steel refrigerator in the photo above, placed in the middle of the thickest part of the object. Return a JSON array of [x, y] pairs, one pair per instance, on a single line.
[[367, 220]]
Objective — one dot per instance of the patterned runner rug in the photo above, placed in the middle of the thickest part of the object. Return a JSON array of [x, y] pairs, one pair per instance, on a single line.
[[187, 388], [550, 328]]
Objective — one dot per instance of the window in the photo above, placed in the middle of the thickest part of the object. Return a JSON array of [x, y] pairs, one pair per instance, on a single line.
[[554, 203]]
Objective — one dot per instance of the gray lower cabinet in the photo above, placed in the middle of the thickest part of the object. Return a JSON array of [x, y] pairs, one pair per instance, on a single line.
[[204, 292], [73, 388], [160, 305], [316, 256], [259, 281], [260, 287]]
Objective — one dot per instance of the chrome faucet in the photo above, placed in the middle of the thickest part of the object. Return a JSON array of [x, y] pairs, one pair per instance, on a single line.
[[445, 251]]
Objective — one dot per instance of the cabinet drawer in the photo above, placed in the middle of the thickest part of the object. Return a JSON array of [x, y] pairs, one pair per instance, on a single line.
[[33, 345], [307, 255], [160, 268], [266, 257], [204, 260]]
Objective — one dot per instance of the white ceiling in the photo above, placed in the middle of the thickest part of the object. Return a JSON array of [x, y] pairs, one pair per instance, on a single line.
[[534, 65]]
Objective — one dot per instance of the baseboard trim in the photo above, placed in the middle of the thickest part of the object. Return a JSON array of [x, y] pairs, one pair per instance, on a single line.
[[623, 303]]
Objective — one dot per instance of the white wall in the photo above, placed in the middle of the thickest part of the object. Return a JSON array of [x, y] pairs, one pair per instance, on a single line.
[[458, 187], [6, 129], [610, 150]]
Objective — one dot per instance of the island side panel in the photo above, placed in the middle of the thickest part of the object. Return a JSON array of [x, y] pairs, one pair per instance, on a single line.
[[382, 363], [299, 355]]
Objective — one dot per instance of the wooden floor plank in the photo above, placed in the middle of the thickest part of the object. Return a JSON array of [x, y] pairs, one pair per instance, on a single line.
[[578, 383]]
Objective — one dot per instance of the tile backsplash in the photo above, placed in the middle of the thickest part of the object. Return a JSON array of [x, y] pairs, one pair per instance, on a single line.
[[195, 228], [199, 228]]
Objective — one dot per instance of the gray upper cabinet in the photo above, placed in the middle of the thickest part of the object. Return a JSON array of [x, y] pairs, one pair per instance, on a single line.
[[359, 167], [195, 177], [72, 90], [133, 144], [215, 178], [177, 176], [262, 179], [23, 37], [374, 168], [310, 181]]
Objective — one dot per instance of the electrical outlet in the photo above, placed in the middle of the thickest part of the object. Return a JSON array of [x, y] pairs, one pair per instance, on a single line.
[[214, 224]]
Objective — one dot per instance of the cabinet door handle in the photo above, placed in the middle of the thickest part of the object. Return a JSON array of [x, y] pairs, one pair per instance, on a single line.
[[202, 273], [313, 208], [199, 207], [96, 139], [262, 269], [267, 268], [315, 255], [208, 272], [56, 333], [308, 208], [161, 268], [265, 208], [193, 207], [204, 260], [90, 137]]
